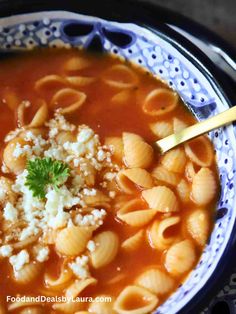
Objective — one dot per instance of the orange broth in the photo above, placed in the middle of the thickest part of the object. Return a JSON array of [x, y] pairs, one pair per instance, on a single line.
[[19, 74]]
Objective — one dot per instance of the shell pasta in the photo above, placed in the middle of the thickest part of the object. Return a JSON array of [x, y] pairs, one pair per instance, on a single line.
[[91, 216]]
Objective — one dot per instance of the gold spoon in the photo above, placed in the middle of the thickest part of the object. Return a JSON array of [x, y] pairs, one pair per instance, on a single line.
[[195, 130]]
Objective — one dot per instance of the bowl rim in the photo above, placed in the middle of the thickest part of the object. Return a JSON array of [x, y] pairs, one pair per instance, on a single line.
[[157, 19]]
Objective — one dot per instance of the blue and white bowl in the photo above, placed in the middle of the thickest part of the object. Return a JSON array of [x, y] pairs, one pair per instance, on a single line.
[[152, 48]]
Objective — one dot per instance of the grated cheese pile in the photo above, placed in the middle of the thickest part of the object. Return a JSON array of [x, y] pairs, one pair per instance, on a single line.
[[71, 205]]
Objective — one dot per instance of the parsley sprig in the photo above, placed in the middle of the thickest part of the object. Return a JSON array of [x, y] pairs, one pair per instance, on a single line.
[[44, 172]]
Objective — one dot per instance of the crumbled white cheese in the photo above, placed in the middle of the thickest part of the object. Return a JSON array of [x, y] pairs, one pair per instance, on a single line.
[[85, 157], [56, 201], [13, 134], [58, 124], [98, 214], [27, 202], [19, 260], [76, 162], [95, 218], [10, 212], [43, 254], [55, 152], [109, 176], [101, 155], [91, 246], [29, 231], [80, 267], [112, 194], [89, 192], [22, 150], [53, 132], [4, 168], [70, 223], [85, 134], [77, 182], [6, 251], [2, 194]]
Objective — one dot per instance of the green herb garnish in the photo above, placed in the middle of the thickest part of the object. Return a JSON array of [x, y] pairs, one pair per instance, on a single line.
[[44, 172]]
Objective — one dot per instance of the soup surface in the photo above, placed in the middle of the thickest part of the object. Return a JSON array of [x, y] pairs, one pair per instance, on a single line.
[[89, 211]]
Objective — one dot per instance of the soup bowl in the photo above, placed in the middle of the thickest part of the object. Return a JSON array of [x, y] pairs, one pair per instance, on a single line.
[[163, 51]]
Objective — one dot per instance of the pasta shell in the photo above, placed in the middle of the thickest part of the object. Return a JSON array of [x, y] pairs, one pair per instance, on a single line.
[[198, 225], [18, 305], [123, 97], [190, 171], [161, 128], [40, 117], [180, 258], [100, 199], [65, 136], [68, 100], [64, 277], [87, 168], [117, 146], [183, 190], [28, 273], [145, 300], [174, 160], [200, 151], [120, 76], [166, 176], [68, 307], [14, 164], [11, 98], [102, 307], [140, 177], [133, 242], [137, 153], [8, 194], [107, 245], [48, 292], [76, 64], [126, 179], [124, 183], [159, 102], [79, 81], [161, 198], [78, 286], [159, 235], [73, 240], [179, 125], [49, 236], [48, 82], [121, 200], [24, 243], [20, 112], [156, 281], [2, 308], [204, 187], [135, 214], [35, 131], [32, 310]]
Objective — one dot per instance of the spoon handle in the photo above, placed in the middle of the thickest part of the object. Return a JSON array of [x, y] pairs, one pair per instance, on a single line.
[[195, 130]]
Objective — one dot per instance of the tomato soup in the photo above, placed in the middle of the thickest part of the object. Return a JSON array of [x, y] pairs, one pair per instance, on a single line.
[[93, 217]]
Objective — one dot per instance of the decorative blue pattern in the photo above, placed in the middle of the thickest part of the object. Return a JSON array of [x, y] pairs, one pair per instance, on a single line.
[[126, 43], [136, 44]]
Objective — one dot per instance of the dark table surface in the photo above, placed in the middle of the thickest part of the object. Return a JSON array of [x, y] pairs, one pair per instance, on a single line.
[[217, 15]]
